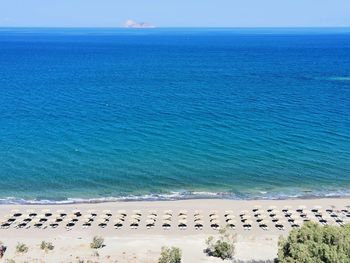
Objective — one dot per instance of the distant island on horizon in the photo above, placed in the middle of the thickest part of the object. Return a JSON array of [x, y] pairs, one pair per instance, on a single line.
[[133, 24]]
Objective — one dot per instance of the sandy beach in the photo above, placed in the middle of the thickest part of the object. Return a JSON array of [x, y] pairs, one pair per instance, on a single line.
[[141, 242]]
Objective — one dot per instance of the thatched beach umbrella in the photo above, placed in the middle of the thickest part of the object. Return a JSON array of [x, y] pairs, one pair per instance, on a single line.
[[152, 216], [286, 208], [301, 208], [230, 216], [166, 216], [256, 208], [153, 212], [213, 212], [122, 212], [215, 224], [243, 213], [183, 212], [198, 212], [168, 212], [228, 212]]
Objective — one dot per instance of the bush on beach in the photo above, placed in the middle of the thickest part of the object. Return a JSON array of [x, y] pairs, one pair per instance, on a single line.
[[2, 249], [21, 248], [97, 242], [222, 247], [46, 246], [170, 255], [313, 243]]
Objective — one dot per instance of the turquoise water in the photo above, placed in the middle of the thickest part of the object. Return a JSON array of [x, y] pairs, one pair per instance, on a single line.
[[96, 114]]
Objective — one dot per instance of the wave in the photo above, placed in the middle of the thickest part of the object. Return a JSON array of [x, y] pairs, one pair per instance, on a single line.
[[262, 195]]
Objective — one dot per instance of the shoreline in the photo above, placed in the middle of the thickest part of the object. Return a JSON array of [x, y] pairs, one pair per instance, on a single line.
[[164, 198]]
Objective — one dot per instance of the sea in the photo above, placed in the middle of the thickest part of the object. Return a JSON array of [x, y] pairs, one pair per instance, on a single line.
[[103, 114]]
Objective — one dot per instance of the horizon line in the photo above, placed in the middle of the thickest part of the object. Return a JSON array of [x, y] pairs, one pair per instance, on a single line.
[[185, 27]]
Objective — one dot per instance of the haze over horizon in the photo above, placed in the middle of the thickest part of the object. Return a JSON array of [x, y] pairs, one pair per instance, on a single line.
[[197, 13]]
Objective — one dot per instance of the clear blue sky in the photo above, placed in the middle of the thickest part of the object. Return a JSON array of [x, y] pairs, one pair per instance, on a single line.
[[175, 13]]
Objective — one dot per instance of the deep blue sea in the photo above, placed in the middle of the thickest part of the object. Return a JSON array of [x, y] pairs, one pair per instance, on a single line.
[[105, 114]]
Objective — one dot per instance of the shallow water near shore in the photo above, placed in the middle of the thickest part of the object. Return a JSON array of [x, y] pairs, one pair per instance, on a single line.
[[113, 114]]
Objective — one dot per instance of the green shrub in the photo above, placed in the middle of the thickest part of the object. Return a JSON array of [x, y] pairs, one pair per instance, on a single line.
[[97, 242], [21, 248], [46, 246], [222, 247], [2, 249], [313, 243], [170, 255]]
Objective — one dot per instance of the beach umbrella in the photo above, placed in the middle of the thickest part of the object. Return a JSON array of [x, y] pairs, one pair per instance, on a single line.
[[137, 212], [301, 207], [107, 212], [118, 222], [196, 219], [213, 212], [316, 208], [122, 212], [183, 221], [248, 223], [200, 222], [182, 216], [228, 212], [243, 212], [230, 216], [166, 224], [152, 212], [152, 216], [183, 212], [104, 217], [214, 217], [150, 222], [215, 222], [272, 207], [166, 216], [88, 217], [166, 220], [168, 212], [286, 208], [256, 208], [198, 212], [231, 222], [199, 217]]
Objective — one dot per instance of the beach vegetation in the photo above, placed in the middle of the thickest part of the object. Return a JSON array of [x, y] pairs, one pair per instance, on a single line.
[[313, 243], [222, 246], [2, 249], [97, 242], [46, 246], [21, 248], [170, 255]]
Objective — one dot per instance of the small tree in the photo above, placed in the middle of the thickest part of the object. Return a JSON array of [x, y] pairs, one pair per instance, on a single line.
[[2, 249], [97, 242], [21, 248], [46, 246], [170, 255], [313, 243], [222, 247]]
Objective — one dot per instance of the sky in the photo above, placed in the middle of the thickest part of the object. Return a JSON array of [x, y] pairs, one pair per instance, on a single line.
[[175, 13]]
